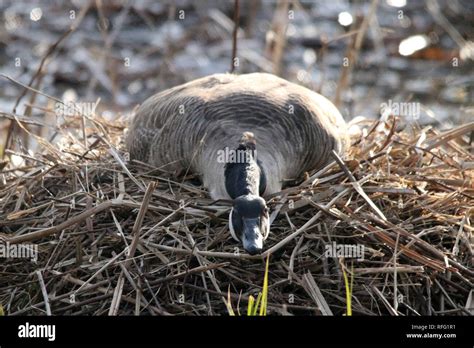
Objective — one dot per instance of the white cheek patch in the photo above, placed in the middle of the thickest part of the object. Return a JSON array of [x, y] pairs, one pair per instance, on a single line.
[[231, 227], [266, 225]]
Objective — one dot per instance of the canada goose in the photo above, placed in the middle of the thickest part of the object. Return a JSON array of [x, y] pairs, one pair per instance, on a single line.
[[283, 129]]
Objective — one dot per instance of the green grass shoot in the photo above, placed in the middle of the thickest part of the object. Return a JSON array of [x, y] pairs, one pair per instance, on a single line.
[[255, 306], [348, 288]]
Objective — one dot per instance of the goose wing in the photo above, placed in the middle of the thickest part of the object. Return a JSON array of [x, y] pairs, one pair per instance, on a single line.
[[185, 126]]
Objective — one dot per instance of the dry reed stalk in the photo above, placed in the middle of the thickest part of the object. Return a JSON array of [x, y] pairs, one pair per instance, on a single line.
[[107, 245]]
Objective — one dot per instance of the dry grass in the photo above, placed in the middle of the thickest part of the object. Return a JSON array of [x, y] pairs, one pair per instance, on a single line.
[[120, 238]]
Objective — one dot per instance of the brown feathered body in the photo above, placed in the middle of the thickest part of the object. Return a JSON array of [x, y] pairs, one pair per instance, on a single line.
[[187, 127]]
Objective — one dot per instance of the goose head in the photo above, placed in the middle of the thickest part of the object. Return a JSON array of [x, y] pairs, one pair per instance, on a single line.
[[249, 222], [245, 181]]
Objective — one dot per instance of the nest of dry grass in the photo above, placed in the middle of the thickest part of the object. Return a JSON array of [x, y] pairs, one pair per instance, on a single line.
[[122, 238]]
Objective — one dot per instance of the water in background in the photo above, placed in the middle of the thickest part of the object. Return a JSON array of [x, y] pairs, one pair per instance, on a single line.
[[416, 58]]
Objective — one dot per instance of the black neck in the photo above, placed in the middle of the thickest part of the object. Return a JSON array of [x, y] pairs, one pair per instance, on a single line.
[[246, 175]]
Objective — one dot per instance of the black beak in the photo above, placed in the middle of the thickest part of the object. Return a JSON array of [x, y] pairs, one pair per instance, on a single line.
[[252, 237]]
